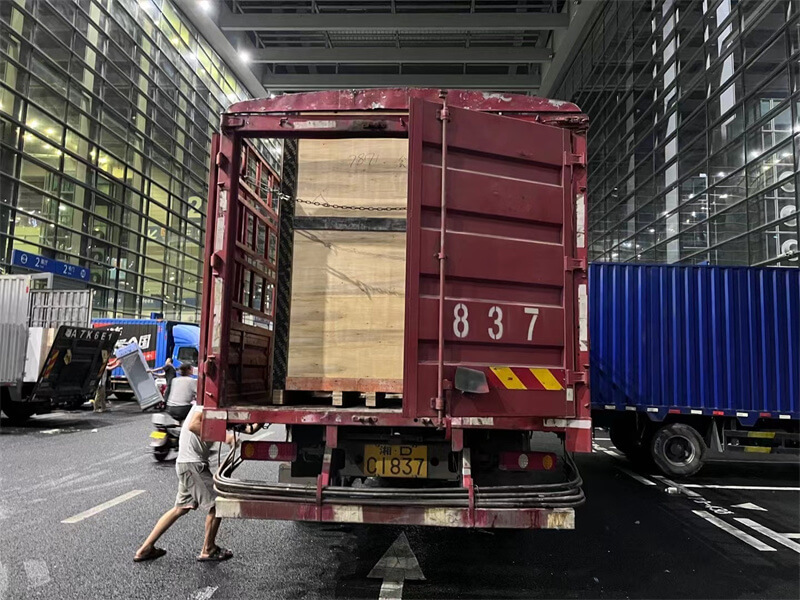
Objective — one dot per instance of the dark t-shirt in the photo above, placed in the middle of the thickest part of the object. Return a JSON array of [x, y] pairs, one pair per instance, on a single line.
[[169, 375]]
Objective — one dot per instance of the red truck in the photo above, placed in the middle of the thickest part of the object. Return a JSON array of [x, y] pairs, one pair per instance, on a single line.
[[495, 339]]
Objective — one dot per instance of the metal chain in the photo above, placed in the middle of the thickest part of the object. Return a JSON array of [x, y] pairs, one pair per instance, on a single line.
[[340, 206]]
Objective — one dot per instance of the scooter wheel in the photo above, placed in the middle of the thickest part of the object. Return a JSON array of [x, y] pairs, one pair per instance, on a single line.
[[160, 454]]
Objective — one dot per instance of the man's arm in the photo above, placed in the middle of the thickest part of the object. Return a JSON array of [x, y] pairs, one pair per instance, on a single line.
[[196, 426], [196, 423]]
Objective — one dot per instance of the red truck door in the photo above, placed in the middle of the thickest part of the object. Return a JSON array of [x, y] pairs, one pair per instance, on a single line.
[[510, 294]]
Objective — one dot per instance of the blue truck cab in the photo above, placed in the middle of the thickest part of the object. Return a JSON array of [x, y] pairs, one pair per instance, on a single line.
[[159, 339]]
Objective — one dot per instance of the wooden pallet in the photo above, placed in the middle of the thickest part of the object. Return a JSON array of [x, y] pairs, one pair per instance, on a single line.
[[372, 393]]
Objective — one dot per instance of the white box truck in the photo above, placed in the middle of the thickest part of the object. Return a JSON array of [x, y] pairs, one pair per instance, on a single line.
[[49, 355]]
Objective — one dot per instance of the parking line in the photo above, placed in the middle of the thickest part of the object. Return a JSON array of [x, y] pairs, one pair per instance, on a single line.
[[767, 532], [636, 476], [765, 488], [734, 531], [101, 507]]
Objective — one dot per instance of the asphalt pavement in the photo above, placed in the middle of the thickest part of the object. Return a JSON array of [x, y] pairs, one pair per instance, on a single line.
[[733, 531]]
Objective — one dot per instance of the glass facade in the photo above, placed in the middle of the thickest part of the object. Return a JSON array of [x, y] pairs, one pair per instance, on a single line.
[[695, 130], [107, 108]]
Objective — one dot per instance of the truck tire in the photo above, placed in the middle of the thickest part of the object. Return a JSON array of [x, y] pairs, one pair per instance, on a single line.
[[17, 412], [678, 450]]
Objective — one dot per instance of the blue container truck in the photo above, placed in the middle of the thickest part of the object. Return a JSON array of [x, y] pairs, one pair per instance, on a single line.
[[159, 339], [689, 361]]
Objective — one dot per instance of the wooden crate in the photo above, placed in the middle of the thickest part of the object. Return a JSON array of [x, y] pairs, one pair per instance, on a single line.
[[348, 287], [352, 172]]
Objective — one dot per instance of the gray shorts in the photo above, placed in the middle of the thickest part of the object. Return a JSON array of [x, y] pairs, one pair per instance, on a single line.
[[195, 486]]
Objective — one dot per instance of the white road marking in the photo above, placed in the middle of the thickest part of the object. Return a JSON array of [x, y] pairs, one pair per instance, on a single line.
[[3, 581], [203, 593], [767, 532], [679, 487], [391, 590], [636, 476], [765, 488], [734, 531], [101, 507], [604, 439], [37, 572], [749, 506], [396, 565], [792, 536]]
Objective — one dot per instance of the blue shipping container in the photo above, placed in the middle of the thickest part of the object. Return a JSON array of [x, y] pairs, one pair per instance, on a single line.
[[695, 338]]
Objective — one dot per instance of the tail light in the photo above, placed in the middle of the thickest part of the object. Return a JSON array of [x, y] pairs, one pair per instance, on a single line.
[[527, 461], [269, 451]]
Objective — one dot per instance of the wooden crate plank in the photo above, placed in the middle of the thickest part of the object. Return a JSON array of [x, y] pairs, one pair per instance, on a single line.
[[348, 306], [352, 172]]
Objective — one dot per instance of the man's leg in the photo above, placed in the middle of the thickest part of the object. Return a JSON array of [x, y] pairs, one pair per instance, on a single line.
[[212, 526], [165, 522]]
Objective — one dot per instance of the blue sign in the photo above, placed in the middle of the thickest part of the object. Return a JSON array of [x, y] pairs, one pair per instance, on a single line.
[[48, 265]]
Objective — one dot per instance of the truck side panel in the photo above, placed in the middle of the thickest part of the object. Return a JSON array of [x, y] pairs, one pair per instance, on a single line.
[[721, 341], [14, 298]]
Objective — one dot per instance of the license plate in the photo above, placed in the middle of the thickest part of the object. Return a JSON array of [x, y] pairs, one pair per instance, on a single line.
[[159, 435], [387, 460]]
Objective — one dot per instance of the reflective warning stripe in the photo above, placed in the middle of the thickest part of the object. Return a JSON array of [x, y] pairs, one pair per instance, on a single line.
[[508, 378], [50, 364], [758, 449], [761, 434], [546, 378], [523, 378]]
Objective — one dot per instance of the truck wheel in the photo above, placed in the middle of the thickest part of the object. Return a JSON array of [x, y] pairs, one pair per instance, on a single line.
[[17, 412], [678, 450]]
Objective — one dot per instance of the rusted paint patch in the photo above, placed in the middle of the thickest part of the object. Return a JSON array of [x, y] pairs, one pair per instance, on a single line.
[[561, 518], [344, 513], [239, 415], [442, 517]]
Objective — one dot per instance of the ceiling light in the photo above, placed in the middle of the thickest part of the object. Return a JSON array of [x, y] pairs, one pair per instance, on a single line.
[[651, 230], [244, 56], [723, 196], [721, 174], [205, 5]]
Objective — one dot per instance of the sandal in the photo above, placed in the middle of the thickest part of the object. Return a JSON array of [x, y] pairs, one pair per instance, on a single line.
[[218, 555], [152, 555]]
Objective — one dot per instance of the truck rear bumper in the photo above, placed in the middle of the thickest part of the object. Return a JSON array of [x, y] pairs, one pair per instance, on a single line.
[[539, 506], [437, 516]]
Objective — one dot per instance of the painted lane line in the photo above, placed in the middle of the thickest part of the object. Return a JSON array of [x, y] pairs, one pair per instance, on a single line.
[[101, 507], [203, 593], [3, 581], [677, 486], [37, 572], [749, 506], [636, 476], [765, 488], [792, 536], [767, 532], [734, 531], [613, 453]]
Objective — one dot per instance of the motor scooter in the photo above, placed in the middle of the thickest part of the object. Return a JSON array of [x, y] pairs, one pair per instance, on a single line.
[[166, 435]]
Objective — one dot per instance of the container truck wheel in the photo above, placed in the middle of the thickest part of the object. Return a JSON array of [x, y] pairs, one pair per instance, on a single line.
[[678, 450], [17, 412]]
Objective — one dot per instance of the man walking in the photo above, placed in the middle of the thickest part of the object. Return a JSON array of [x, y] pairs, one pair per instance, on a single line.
[[195, 491]]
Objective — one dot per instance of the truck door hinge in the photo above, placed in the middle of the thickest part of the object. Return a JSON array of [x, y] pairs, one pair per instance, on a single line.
[[574, 264], [578, 160], [573, 377]]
